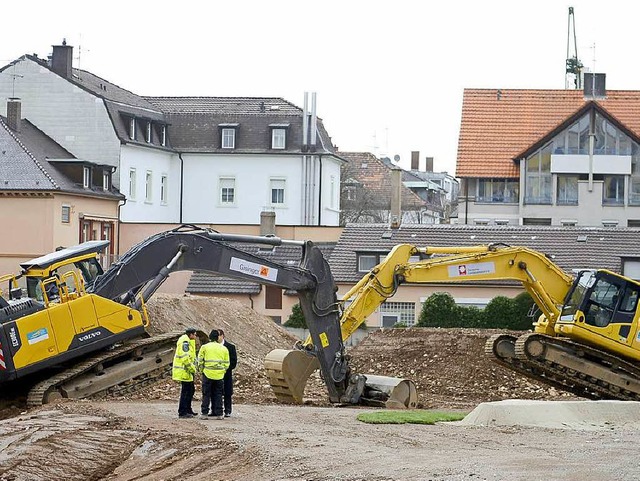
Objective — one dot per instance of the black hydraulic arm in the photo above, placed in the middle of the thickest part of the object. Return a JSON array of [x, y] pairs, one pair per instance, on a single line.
[[145, 266]]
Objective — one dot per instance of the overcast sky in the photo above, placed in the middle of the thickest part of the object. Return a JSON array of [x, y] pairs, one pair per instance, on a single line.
[[389, 75]]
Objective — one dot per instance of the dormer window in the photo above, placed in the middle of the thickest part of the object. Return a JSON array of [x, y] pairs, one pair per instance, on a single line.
[[279, 136], [228, 138], [106, 180], [132, 128], [148, 135], [228, 135], [163, 136], [86, 177]]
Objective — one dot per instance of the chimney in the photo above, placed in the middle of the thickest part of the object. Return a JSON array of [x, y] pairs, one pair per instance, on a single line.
[[396, 208], [428, 166], [415, 160], [595, 86], [267, 223], [14, 114], [61, 60]]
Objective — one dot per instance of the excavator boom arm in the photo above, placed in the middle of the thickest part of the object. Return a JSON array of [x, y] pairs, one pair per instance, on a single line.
[[547, 283], [139, 273]]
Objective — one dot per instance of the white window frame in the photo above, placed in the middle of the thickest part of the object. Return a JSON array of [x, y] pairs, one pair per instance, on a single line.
[[106, 180], [66, 214], [164, 184], [228, 138], [148, 136], [132, 128], [148, 186], [132, 184], [278, 138], [163, 139], [369, 257], [278, 184], [226, 185], [86, 177]]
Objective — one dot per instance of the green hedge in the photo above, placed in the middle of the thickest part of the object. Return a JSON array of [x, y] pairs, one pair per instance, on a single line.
[[440, 310]]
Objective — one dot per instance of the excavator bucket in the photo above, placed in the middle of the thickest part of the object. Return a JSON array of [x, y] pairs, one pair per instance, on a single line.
[[288, 373], [390, 392]]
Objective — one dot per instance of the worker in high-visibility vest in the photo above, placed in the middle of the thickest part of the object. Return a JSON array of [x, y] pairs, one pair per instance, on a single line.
[[184, 370], [213, 362]]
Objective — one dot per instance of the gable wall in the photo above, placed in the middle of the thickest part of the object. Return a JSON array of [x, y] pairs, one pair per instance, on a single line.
[[72, 117]]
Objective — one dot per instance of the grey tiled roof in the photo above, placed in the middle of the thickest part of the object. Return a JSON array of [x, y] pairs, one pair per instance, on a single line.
[[195, 123], [207, 283], [24, 163], [273, 106], [603, 247], [19, 169]]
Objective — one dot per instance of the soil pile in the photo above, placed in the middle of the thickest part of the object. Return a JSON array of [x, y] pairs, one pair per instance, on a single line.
[[253, 334], [448, 366]]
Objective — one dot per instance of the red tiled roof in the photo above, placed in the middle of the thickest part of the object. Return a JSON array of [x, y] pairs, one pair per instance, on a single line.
[[499, 124]]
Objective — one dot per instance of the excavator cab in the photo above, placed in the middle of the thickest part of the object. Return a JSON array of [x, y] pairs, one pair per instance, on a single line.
[[602, 304]]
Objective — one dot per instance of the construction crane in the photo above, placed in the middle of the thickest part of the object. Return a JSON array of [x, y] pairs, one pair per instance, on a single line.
[[573, 73]]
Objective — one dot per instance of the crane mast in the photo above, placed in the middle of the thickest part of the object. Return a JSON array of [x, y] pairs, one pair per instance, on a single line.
[[573, 70]]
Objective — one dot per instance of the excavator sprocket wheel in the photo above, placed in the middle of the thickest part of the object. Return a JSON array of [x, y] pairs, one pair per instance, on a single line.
[[288, 373]]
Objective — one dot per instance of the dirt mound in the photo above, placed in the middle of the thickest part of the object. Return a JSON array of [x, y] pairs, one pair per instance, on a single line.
[[253, 334], [448, 366]]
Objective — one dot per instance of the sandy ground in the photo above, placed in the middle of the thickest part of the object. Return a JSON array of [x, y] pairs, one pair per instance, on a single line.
[[145, 441], [140, 437]]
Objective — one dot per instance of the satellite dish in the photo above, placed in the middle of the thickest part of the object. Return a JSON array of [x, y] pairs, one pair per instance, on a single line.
[[396, 158]]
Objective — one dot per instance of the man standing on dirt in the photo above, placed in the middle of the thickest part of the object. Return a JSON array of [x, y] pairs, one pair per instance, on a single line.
[[228, 376], [184, 369], [213, 361]]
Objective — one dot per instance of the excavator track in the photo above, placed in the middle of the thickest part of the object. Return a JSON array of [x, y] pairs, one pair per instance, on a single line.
[[586, 371], [501, 348], [122, 370]]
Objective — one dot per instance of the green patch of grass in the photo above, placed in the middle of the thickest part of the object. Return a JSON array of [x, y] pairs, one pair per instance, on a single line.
[[416, 416]]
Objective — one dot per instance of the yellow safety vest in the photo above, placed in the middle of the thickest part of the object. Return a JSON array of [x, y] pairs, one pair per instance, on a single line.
[[184, 360], [213, 360]]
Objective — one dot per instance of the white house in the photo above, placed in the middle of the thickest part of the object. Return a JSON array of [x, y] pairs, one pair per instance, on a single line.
[[206, 160]]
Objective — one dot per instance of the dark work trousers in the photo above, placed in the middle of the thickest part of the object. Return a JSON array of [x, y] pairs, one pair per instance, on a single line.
[[228, 390], [211, 396], [187, 389]]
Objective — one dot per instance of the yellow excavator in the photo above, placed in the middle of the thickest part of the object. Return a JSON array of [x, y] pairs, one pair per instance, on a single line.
[[71, 330], [586, 341]]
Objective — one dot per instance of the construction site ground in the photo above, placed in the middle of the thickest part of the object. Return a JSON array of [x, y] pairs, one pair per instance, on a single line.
[[517, 429]]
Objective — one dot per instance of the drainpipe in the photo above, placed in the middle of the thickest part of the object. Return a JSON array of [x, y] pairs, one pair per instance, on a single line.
[[181, 183], [120, 205], [466, 200], [592, 144], [320, 191]]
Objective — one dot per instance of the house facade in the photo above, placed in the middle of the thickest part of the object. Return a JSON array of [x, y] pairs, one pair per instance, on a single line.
[[48, 199], [376, 190], [184, 160], [549, 157], [363, 246]]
